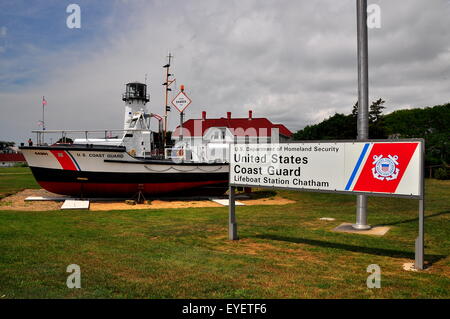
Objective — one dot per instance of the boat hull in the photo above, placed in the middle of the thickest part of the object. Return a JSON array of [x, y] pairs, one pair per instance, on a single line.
[[114, 173], [117, 184]]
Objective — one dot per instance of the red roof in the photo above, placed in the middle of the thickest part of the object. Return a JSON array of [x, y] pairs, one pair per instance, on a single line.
[[240, 126], [12, 157]]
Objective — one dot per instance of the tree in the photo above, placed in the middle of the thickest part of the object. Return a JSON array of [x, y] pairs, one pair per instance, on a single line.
[[376, 110], [5, 144], [430, 123], [376, 126], [341, 126], [338, 126], [355, 110]]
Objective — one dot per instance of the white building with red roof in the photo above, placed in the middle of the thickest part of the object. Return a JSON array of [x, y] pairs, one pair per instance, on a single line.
[[208, 138], [11, 159]]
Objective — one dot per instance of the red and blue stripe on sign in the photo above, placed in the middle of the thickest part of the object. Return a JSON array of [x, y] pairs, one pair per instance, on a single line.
[[366, 181]]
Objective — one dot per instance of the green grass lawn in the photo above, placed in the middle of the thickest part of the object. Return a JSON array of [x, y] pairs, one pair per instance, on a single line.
[[284, 251], [14, 179]]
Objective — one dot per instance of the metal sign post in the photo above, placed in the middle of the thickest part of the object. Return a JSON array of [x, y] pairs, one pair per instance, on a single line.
[[420, 240], [232, 225], [419, 247], [181, 125], [181, 102]]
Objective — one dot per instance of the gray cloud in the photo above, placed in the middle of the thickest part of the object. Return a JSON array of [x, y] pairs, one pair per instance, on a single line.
[[292, 61]]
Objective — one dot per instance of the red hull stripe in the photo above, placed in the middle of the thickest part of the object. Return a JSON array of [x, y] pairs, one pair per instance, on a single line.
[[368, 183], [64, 160], [111, 189], [74, 161]]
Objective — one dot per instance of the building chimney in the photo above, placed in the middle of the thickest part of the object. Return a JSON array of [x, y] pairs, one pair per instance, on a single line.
[[204, 115], [229, 115], [250, 114]]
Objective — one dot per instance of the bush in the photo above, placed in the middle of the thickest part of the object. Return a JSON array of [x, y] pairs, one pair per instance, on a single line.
[[23, 164], [441, 173]]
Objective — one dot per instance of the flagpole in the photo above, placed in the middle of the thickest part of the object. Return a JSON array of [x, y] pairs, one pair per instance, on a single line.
[[363, 101], [43, 114], [43, 117]]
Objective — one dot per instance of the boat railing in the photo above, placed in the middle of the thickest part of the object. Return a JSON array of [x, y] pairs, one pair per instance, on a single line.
[[68, 136]]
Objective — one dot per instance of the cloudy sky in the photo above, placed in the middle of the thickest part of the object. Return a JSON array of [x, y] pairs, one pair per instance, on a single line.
[[293, 61]]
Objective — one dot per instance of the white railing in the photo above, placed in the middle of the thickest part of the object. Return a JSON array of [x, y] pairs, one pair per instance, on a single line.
[[86, 134]]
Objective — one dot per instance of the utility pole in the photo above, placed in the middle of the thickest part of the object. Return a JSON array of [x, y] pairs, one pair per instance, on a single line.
[[363, 101], [167, 106]]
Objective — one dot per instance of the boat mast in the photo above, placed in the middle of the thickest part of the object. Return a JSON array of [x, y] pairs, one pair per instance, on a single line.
[[167, 106]]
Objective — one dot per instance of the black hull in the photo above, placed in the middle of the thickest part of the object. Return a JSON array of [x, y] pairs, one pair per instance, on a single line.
[[124, 184]]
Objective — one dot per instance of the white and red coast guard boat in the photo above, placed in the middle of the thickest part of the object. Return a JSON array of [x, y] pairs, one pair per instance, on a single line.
[[123, 165]]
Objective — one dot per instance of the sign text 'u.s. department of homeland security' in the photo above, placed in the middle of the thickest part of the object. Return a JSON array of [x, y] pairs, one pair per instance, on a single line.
[[388, 168]]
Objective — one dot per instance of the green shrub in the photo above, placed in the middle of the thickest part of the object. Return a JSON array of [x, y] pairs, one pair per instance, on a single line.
[[24, 164], [441, 173]]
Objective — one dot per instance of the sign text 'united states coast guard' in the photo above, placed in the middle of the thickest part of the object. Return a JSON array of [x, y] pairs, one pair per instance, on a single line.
[[390, 168]]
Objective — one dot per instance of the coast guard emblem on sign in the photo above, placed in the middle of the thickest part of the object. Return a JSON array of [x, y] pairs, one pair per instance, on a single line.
[[385, 167]]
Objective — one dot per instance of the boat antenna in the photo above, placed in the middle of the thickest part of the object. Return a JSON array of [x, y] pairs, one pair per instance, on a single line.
[[167, 83]]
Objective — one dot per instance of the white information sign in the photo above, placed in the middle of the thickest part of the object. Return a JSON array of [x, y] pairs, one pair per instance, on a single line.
[[181, 101], [389, 167]]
